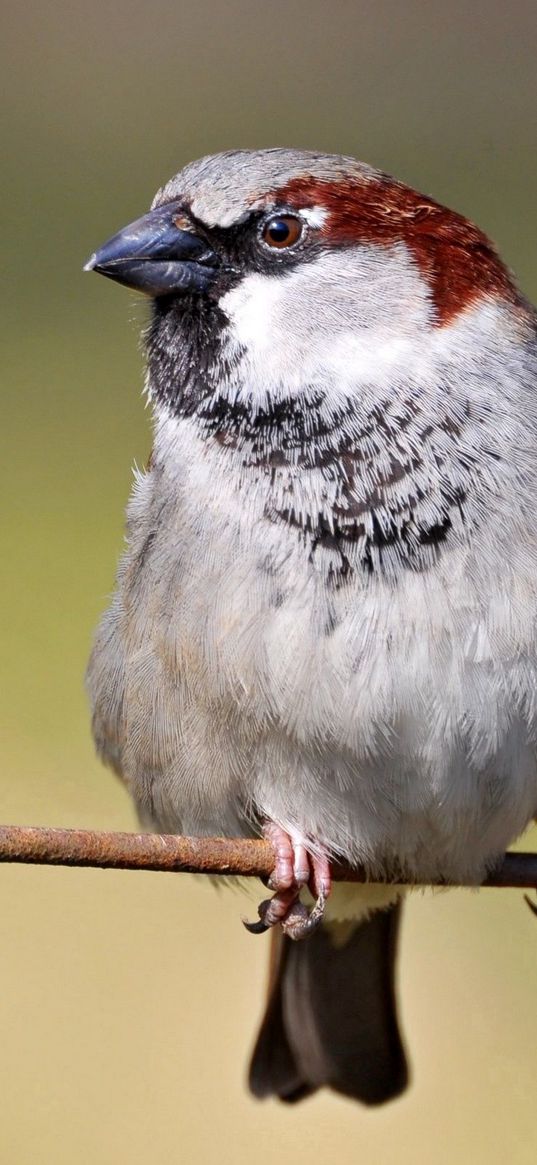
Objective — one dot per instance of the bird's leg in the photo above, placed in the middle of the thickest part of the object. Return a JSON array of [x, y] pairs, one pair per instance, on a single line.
[[294, 868]]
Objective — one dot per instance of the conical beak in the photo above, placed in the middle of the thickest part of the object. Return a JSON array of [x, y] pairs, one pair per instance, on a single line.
[[155, 256]]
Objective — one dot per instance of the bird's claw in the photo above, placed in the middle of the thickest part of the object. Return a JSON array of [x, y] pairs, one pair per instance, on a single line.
[[299, 922], [532, 905], [294, 868]]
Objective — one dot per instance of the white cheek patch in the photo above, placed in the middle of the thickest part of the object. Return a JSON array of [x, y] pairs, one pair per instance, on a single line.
[[250, 308], [315, 216], [345, 319]]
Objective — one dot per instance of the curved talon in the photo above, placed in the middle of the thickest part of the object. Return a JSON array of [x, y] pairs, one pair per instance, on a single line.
[[297, 923], [531, 904], [272, 910], [266, 919], [259, 927]]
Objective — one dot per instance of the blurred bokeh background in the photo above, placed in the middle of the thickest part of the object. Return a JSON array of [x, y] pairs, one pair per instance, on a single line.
[[128, 1001]]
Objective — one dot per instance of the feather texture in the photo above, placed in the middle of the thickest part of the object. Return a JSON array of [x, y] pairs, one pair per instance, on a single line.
[[326, 613]]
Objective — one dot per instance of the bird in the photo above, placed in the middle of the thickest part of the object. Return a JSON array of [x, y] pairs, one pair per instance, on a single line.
[[324, 623]]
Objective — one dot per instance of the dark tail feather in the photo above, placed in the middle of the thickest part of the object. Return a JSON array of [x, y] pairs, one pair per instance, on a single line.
[[331, 1018]]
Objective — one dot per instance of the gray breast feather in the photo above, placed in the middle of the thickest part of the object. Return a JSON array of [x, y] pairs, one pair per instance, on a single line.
[[394, 725]]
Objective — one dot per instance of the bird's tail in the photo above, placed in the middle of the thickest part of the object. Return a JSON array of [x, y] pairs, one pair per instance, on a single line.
[[331, 1017]]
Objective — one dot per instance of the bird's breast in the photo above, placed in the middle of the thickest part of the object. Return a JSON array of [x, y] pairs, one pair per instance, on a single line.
[[229, 677]]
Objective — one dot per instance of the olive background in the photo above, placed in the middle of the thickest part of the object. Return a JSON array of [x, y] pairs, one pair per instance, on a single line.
[[128, 1001]]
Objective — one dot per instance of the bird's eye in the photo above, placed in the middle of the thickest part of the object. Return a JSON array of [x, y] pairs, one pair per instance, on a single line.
[[282, 231]]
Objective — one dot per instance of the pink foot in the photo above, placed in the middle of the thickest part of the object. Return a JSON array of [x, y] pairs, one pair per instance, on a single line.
[[294, 867]]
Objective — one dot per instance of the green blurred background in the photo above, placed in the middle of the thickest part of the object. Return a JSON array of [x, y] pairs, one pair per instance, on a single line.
[[128, 1001]]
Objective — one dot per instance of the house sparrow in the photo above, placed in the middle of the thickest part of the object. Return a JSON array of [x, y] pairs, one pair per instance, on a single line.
[[325, 620]]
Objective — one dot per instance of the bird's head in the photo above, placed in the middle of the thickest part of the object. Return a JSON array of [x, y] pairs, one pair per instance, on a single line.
[[276, 269]]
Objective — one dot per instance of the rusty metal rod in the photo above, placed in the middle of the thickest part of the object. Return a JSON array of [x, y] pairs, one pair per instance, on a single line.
[[246, 857]]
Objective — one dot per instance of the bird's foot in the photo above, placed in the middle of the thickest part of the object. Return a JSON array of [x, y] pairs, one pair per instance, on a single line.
[[531, 904], [294, 868]]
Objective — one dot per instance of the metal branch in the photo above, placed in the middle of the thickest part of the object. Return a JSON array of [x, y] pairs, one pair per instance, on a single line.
[[246, 857]]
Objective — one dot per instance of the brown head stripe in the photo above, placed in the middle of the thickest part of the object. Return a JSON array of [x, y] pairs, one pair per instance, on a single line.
[[458, 261]]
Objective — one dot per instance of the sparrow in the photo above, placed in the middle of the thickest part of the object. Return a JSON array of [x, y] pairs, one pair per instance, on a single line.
[[324, 625]]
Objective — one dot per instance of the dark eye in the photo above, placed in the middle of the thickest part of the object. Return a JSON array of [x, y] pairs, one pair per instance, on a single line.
[[282, 231]]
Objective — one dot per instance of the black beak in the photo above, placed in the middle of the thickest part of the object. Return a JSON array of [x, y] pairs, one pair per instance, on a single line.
[[155, 256]]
